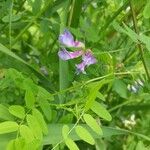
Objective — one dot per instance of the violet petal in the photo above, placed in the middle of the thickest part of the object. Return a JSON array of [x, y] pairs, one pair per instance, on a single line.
[[65, 55], [80, 68], [88, 58], [66, 39]]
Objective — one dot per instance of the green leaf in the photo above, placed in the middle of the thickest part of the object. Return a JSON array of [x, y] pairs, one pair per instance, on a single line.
[[44, 94], [94, 89], [76, 13], [91, 122], [84, 135], [146, 40], [146, 11], [19, 143], [26, 133], [17, 111], [71, 144], [13, 18], [4, 113], [36, 6], [12, 60], [101, 111], [8, 126], [100, 96], [16, 144], [36, 113], [140, 146], [55, 134], [34, 126], [46, 109], [131, 33], [147, 59], [29, 98], [65, 131], [11, 145], [120, 87]]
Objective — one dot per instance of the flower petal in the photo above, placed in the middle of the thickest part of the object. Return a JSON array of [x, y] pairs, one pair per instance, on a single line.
[[88, 58], [66, 39], [80, 68], [65, 55], [79, 44]]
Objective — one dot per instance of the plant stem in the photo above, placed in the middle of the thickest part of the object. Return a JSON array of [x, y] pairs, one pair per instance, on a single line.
[[10, 20], [139, 44]]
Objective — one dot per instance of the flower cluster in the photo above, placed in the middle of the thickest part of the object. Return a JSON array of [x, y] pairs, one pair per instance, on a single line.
[[66, 39]]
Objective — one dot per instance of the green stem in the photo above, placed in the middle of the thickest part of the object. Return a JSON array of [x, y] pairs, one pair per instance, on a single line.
[[10, 21], [93, 80], [139, 44]]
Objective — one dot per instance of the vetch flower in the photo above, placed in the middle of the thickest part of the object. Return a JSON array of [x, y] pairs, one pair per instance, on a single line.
[[80, 68], [87, 60], [67, 39], [65, 55]]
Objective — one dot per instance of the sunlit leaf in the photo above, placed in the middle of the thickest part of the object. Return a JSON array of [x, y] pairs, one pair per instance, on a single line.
[[17, 111], [34, 126], [91, 122], [65, 131], [29, 98], [8, 126], [26, 133], [36, 113], [84, 135], [71, 144], [4, 113], [146, 11], [101, 111]]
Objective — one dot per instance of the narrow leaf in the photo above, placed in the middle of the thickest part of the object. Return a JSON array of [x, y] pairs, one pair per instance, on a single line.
[[46, 109], [146, 11], [65, 131], [34, 126], [92, 94], [26, 133], [8, 126], [71, 144], [17, 111], [84, 135], [4, 113], [91, 122], [36, 113], [101, 111], [29, 99]]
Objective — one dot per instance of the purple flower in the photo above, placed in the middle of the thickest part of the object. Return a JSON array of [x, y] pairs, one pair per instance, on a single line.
[[81, 68], [87, 59], [65, 55], [67, 39]]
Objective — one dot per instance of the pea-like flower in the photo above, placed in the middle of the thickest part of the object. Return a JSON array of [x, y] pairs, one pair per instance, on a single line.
[[65, 55], [87, 60], [67, 40]]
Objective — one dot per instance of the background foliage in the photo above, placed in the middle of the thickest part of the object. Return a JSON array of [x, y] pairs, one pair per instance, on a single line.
[[45, 105]]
